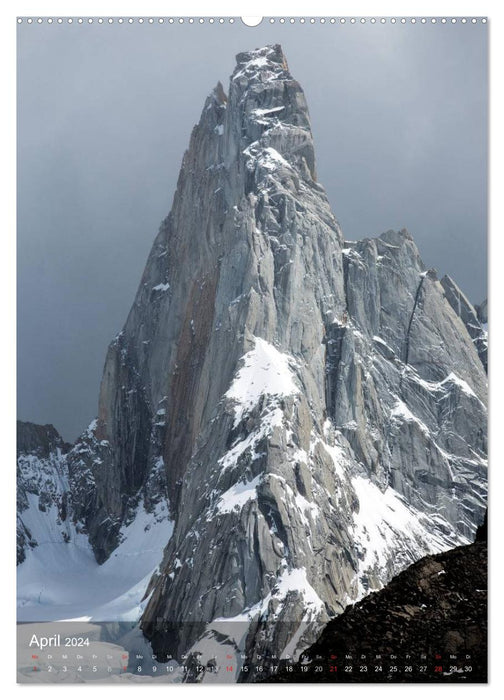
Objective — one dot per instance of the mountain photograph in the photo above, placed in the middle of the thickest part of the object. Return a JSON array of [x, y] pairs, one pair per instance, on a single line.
[[288, 460]]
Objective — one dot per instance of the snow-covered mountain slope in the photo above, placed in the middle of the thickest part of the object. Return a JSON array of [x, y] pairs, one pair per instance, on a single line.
[[311, 411], [58, 575]]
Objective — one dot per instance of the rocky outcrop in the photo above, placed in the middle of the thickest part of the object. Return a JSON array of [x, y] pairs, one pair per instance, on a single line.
[[39, 440], [428, 624], [403, 392], [101, 503], [42, 485], [312, 410], [482, 311], [472, 317]]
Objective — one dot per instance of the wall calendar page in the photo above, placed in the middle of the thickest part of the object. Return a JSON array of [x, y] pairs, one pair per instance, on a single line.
[[252, 349]]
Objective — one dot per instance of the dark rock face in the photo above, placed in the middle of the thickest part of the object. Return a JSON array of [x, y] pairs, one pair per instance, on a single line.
[[40, 440], [430, 620], [482, 311], [42, 477], [312, 410], [99, 503], [482, 531], [90, 486]]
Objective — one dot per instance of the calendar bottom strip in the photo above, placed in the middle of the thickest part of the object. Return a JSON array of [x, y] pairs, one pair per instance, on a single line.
[[80, 651]]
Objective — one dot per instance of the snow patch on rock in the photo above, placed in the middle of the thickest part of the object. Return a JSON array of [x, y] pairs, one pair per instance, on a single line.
[[385, 526], [265, 372], [238, 495]]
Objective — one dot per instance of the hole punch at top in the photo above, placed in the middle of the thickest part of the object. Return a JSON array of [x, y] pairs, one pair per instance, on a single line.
[[251, 21]]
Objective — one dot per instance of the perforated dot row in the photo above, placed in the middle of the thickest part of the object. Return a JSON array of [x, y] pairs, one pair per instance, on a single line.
[[271, 20], [126, 20], [380, 20]]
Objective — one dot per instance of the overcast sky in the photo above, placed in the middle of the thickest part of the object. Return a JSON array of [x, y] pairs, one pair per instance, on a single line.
[[399, 116]]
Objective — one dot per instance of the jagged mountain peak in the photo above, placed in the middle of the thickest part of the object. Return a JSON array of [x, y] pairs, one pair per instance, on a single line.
[[219, 93], [345, 327], [217, 99], [263, 64], [269, 113], [396, 237], [452, 287]]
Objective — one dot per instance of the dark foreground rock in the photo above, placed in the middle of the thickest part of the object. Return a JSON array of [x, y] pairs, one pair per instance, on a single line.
[[429, 624]]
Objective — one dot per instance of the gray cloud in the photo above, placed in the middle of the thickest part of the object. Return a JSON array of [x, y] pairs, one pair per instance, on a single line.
[[399, 116]]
